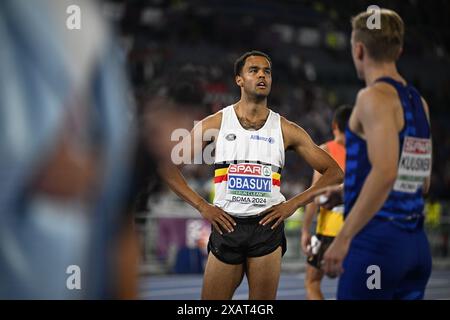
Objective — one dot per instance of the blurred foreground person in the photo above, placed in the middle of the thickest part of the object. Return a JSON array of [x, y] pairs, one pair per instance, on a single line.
[[64, 144]]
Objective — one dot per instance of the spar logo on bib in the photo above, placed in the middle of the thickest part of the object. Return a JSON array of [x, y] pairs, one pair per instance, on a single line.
[[249, 183]]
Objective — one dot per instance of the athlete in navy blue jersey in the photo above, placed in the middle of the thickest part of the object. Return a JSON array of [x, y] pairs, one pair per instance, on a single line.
[[382, 251]]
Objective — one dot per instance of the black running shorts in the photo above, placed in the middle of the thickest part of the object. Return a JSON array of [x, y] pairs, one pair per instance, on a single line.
[[249, 239]]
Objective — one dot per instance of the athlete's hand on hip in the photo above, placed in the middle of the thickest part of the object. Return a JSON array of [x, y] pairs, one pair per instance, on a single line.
[[217, 217], [334, 256], [278, 212], [329, 197]]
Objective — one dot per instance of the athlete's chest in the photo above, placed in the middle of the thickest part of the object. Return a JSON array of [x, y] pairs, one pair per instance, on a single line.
[[261, 145]]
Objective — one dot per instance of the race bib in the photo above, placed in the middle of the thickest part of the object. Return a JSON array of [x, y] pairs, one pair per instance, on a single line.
[[249, 183], [414, 165]]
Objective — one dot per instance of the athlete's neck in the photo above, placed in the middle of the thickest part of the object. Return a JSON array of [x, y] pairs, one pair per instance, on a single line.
[[251, 115], [374, 71]]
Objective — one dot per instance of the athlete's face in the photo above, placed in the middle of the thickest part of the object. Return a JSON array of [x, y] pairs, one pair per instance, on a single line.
[[357, 55], [256, 77]]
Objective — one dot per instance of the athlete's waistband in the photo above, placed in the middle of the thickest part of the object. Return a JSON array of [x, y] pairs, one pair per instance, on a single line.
[[249, 219]]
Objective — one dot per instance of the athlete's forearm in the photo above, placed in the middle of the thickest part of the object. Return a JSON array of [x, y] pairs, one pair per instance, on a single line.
[[308, 217], [175, 180], [373, 194], [331, 176]]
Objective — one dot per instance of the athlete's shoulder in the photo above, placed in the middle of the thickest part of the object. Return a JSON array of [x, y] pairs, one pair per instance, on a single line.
[[288, 125], [375, 92], [213, 121], [373, 98], [293, 134], [274, 112]]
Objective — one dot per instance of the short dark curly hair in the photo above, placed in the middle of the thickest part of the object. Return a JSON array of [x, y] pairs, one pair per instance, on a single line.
[[239, 63]]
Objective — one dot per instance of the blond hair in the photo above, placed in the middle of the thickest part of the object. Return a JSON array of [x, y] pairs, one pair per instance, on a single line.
[[384, 44]]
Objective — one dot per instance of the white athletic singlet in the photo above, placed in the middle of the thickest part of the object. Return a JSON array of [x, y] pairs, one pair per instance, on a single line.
[[248, 165]]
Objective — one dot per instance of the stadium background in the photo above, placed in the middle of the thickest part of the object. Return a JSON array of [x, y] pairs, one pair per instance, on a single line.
[[313, 73]]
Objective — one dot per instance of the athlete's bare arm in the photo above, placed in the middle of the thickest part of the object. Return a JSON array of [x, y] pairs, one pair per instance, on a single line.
[[295, 138], [175, 180], [298, 140], [310, 212], [375, 116]]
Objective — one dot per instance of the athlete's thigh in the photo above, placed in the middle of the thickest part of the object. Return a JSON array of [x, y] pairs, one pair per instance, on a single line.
[[370, 273], [374, 264], [220, 279], [413, 284], [359, 280], [263, 275]]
